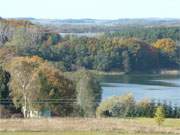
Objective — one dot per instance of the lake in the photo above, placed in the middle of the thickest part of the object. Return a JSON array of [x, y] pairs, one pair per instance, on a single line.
[[156, 87], [90, 34]]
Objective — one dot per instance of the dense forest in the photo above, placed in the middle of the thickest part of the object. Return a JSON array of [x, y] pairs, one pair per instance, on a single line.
[[132, 49], [33, 62]]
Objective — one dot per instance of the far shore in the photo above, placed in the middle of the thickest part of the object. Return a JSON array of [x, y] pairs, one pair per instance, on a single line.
[[162, 72], [170, 72]]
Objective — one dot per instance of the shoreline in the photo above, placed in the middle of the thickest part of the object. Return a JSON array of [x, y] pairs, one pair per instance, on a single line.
[[162, 72], [96, 72], [170, 72], [120, 73]]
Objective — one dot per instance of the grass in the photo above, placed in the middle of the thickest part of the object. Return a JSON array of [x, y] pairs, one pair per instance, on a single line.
[[74, 133], [88, 126], [171, 123]]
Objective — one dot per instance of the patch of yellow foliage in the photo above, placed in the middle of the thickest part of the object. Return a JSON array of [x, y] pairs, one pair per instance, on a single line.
[[166, 45]]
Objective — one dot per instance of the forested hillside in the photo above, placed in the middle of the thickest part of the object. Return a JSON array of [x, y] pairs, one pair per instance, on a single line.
[[131, 49]]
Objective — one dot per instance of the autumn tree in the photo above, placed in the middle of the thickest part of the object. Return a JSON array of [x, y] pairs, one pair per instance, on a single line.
[[6, 54], [9, 27], [144, 108], [5, 32], [35, 85], [57, 89], [25, 39], [23, 81], [166, 45], [168, 53]]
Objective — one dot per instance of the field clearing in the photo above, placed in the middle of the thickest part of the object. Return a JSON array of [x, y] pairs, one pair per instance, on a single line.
[[88, 126]]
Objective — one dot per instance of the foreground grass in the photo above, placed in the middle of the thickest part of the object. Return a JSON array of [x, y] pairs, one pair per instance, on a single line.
[[75, 133], [88, 126], [171, 123]]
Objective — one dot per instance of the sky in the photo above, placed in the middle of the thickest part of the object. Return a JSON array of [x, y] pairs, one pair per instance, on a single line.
[[95, 9]]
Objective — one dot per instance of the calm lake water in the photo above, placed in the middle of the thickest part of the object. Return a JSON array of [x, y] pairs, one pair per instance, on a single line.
[[142, 86]]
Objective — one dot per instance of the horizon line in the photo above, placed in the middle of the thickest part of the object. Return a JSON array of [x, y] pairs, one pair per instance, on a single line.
[[128, 18]]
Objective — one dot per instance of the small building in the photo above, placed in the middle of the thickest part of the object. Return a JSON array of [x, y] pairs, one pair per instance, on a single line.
[[44, 113]]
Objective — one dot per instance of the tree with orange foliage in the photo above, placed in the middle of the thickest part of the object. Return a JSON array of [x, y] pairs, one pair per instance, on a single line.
[[166, 45], [35, 84]]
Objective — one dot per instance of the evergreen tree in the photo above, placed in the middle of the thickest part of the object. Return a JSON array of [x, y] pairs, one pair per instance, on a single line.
[[4, 90], [159, 115]]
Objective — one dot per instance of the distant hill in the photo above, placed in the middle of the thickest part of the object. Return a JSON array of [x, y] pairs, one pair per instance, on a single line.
[[143, 21], [94, 26]]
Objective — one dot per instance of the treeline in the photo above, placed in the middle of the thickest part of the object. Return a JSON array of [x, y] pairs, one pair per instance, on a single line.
[[131, 26], [126, 106], [148, 34], [108, 54]]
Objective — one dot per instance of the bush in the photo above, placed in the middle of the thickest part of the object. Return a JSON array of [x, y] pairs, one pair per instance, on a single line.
[[121, 106], [145, 108], [125, 106], [4, 112], [17, 115]]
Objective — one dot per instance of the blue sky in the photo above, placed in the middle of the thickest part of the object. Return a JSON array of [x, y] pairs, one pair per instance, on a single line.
[[97, 9]]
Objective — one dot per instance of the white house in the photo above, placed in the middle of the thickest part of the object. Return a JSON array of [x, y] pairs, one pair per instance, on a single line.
[[45, 113]]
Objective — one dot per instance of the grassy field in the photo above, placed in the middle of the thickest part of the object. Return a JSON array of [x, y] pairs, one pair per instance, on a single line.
[[88, 126], [77, 133]]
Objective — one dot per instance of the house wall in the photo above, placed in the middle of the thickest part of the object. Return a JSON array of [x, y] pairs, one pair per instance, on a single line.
[[37, 114]]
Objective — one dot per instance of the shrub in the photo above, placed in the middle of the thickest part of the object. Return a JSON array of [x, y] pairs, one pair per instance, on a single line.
[[119, 106], [144, 108], [125, 106], [4, 112]]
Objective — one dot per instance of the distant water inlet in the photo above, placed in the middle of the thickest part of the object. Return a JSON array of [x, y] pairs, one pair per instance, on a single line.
[[90, 34], [154, 87]]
